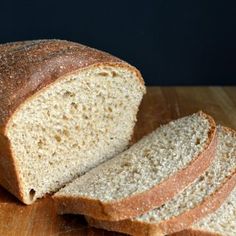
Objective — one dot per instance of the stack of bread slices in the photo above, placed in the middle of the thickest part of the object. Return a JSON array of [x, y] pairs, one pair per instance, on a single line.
[[67, 114], [180, 178]]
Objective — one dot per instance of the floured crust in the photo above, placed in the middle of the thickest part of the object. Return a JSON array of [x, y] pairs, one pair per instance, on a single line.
[[26, 68], [177, 223], [138, 204]]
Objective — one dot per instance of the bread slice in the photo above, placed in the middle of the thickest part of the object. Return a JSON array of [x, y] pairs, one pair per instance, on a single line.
[[145, 176], [203, 197], [64, 108], [220, 223]]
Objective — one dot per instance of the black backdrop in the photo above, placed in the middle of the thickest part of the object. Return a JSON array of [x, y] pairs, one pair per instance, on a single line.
[[172, 42]]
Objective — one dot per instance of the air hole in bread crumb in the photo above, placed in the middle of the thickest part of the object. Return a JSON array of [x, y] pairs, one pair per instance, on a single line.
[[74, 105], [32, 194], [64, 117], [75, 145], [40, 143], [68, 94], [58, 138], [201, 178], [114, 74], [146, 152], [229, 145], [85, 117], [99, 94], [197, 141], [126, 164], [66, 132], [103, 74]]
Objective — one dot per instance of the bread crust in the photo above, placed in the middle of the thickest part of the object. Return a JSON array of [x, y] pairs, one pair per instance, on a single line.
[[195, 232], [138, 204], [178, 223], [28, 67]]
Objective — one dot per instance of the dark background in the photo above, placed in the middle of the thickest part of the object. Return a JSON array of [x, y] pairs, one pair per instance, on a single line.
[[171, 42]]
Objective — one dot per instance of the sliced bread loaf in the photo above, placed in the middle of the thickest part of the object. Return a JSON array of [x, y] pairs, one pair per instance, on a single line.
[[220, 223], [64, 108], [203, 197], [145, 176]]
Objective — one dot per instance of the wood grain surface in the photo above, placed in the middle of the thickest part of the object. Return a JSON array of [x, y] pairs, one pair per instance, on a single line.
[[160, 105]]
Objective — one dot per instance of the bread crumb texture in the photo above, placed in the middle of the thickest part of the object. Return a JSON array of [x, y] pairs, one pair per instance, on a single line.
[[74, 124], [147, 163], [223, 166], [223, 221]]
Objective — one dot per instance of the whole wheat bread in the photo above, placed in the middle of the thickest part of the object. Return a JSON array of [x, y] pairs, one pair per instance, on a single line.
[[145, 176], [220, 223], [64, 108], [203, 197]]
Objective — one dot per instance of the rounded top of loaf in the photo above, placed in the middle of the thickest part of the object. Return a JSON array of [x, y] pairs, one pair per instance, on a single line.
[[28, 66]]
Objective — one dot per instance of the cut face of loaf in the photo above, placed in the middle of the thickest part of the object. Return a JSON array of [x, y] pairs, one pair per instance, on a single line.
[[203, 197], [77, 120], [145, 176]]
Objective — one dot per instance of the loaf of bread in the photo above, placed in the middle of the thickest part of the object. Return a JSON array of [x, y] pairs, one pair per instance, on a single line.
[[201, 198], [64, 108], [220, 223], [145, 176]]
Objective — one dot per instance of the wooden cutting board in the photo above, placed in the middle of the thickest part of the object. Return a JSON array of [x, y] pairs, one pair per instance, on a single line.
[[159, 106]]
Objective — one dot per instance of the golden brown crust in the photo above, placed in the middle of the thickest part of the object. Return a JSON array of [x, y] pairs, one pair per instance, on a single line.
[[140, 203], [25, 69], [177, 223], [195, 232], [125, 226]]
